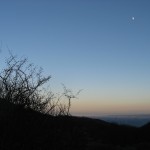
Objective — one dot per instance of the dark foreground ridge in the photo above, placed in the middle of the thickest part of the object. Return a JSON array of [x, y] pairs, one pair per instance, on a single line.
[[25, 129]]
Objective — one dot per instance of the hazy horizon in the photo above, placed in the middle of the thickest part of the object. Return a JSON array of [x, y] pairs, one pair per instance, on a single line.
[[102, 47]]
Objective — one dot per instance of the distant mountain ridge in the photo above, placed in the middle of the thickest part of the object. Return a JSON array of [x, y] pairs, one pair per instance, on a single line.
[[133, 120]]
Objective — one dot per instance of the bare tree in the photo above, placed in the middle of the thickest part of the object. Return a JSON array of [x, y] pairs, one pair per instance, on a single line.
[[23, 84], [68, 94]]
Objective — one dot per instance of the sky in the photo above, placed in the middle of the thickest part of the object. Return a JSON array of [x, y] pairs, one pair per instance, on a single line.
[[100, 46]]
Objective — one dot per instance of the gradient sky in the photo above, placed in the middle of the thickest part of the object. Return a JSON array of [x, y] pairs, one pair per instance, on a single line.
[[94, 45]]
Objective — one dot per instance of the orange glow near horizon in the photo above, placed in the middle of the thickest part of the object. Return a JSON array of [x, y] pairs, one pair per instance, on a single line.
[[109, 107]]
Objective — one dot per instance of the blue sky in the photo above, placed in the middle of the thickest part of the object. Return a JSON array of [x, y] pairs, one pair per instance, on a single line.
[[93, 45]]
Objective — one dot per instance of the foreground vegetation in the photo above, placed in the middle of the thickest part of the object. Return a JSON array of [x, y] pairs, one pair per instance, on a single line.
[[23, 84]]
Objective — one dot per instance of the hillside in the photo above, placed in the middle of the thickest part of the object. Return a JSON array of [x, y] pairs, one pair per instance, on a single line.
[[25, 129]]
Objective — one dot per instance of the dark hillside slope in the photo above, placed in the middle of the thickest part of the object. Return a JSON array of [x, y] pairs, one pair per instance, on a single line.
[[24, 129]]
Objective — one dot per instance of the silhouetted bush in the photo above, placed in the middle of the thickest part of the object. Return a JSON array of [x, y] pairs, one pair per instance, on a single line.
[[23, 84]]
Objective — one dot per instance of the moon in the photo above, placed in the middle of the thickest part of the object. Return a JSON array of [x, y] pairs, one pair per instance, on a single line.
[[133, 18]]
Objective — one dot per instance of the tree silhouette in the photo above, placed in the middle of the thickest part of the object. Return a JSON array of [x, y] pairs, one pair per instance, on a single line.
[[23, 84]]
